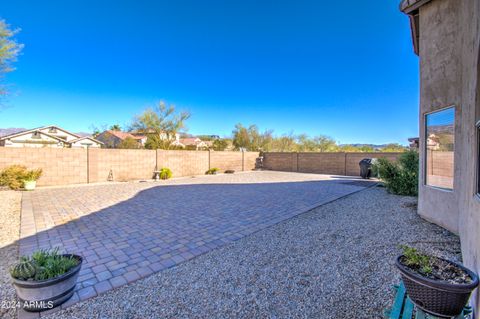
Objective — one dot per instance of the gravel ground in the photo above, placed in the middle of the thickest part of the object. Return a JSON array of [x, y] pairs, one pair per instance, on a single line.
[[9, 231], [335, 261]]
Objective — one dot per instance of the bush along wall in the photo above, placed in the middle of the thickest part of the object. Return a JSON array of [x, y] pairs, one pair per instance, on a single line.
[[401, 177]]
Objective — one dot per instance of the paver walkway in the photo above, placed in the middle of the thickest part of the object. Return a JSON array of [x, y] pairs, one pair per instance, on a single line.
[[126, 231]]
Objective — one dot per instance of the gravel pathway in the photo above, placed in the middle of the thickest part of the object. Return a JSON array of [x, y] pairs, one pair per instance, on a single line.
[[335, 261], [9, 231]]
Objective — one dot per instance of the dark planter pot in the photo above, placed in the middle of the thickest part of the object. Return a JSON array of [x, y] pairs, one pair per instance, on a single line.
[[47, 294], [438, 298]]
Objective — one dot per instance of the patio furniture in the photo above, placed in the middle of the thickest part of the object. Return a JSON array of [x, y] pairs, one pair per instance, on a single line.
[[403, 308]]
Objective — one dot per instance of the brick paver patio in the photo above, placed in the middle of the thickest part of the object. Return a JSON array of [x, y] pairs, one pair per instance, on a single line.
[[126, 231]]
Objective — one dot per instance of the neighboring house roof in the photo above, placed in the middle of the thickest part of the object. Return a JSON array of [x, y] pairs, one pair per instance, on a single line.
[[409, 6], [124, 135], [38, 129], [85, 138], [190, 141]]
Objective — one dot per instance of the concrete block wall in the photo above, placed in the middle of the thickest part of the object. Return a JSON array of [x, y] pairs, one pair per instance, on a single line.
[[60, 166], [440, 163], [281, 161], [124, 164], [64, 166], [183, 163], [321, 163], [249, 160], [227, 160]]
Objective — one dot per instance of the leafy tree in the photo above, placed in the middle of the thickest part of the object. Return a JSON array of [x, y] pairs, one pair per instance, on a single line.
[[394, 147], [284, 143], [9, 50], [115, 127], [241, 137], [160, 124], [129, 143], [251, 139], [220, 144], [325, 143], [305, 143]]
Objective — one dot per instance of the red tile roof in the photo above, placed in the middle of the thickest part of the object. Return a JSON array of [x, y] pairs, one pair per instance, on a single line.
[[123, 135], [190, 141]]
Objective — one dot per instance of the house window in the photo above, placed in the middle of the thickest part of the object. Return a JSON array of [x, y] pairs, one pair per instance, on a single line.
[[439, 148], [36, 135], [52, 130]]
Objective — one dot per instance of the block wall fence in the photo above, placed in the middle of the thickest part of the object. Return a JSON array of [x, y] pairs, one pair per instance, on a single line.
[[63, 166], [321, 163]]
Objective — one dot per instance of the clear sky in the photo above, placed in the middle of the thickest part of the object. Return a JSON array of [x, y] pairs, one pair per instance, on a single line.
[[341, 68]]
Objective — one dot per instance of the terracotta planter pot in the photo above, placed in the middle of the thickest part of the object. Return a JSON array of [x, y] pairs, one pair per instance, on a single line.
[[439, 298], [47, 294], [29, 185]]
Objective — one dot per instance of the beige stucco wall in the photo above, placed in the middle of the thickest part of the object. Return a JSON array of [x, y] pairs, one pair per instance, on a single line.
[[440, 82], [449, 72]]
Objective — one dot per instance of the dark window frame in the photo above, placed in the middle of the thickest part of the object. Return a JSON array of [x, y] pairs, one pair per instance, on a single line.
[[477, 191]]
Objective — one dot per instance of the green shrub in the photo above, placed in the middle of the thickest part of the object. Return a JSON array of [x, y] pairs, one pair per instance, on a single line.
[[43, 265], [13, 176], [165, 173], [400, 178], [212, 171], [33, 174]]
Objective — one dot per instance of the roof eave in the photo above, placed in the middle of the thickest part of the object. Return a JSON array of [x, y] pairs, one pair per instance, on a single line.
[[410, 6]]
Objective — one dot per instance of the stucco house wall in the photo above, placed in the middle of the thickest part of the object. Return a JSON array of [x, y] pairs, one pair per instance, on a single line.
[[449, 51], [33, 140], [440, 85]]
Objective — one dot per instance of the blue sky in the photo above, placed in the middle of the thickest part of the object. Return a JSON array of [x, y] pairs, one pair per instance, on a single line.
[[340, 68]]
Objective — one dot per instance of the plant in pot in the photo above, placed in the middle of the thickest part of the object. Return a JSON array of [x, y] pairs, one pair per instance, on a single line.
[[165, 173], [46, 279], [30, 179], [438, 286], [212, 171]]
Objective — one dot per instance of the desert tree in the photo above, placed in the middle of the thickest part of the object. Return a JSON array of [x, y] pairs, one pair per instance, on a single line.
[[9, 51], [160, 124]]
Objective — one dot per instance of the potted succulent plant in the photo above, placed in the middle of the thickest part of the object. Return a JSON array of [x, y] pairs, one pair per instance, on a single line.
[[46, 279], [30, 179], [438, 286], [212, 171], [165, 173]]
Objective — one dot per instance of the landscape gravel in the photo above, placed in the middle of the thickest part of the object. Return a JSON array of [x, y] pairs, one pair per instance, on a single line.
[[336, 261], [10, 202]]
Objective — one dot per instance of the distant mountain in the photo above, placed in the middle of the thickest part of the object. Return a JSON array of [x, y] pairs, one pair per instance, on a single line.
[[10, 130], [82, 134], [374, 146]]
